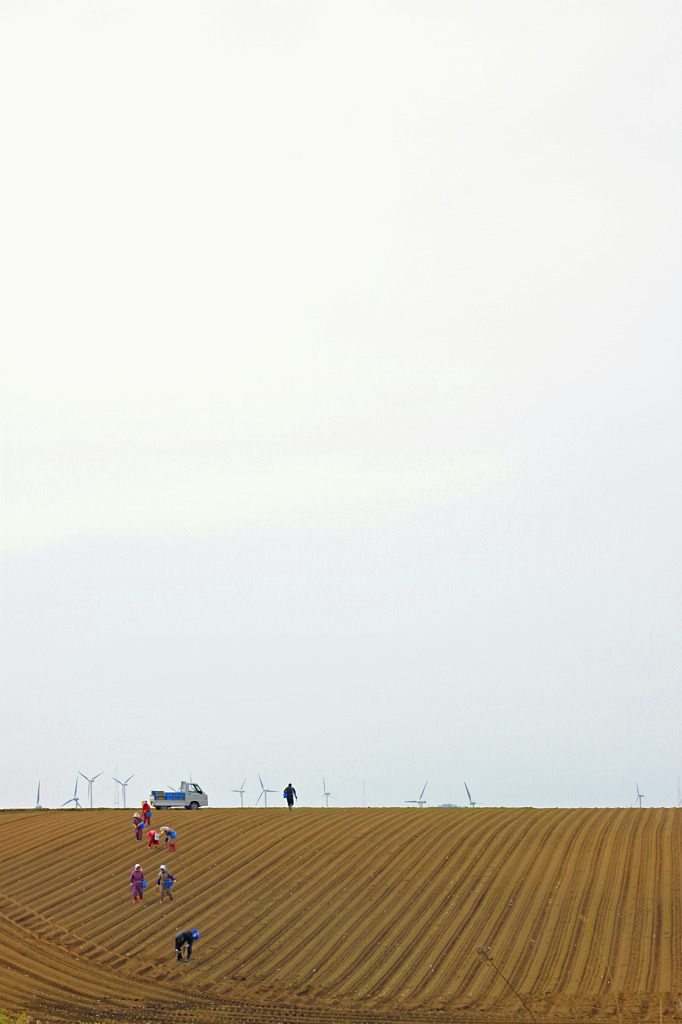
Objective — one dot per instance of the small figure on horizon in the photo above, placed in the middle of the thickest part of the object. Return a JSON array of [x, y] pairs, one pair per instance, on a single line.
[[138, 825], [146, 813], [169, 836], [164, 882], [137, 883], [185, 938], [153, 838], [290, 795]]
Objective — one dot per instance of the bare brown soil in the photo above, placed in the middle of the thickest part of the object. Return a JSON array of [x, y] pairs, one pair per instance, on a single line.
[[350, 915]]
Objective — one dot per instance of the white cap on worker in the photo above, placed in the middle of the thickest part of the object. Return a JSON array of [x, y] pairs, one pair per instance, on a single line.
[[162, 868], [137, 865]]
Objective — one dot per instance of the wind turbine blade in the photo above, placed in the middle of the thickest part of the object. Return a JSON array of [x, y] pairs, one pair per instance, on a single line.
[[468, 793], [261, 781], [128, 779], [259, 796], [243, 784], [422, 792]]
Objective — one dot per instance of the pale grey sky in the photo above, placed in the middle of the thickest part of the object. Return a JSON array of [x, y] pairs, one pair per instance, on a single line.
[[340, 399]]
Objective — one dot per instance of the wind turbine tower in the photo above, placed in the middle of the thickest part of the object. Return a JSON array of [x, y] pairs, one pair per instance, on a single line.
[[122, 785], [640, 796], [38, 807], [421, 801], [241, 792], [90, 782], [325, 792], [264, 792]]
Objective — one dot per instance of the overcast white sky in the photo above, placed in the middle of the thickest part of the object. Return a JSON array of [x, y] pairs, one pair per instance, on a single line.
[[340, 399]]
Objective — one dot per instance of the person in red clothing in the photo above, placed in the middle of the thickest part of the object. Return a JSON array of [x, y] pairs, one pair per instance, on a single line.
[[153, 838], [146, 813]]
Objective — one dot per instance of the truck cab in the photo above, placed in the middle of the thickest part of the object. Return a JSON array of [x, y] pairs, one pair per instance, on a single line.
[[190, 795]]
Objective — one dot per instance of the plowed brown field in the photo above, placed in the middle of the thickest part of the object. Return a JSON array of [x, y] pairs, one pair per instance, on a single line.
[[346, 915]]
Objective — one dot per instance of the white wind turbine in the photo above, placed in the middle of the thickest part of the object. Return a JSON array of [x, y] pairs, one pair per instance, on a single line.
[[38, 807], [90, 782], [122, 785], [640, 796], [241, 791], [472, 803], [325, 792], [420, 802], [74, 799], [264, 792]]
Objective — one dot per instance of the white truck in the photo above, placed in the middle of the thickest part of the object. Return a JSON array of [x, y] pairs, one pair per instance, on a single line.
[[189, 795]]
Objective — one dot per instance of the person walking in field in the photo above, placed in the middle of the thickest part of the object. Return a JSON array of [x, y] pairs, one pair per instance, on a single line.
[[169, 836], [290, 795], [137, 883], [146, 813], [164, 882], [185, 938]]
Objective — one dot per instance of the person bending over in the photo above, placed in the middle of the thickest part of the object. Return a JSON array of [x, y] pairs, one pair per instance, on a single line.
[[183, 939], [169, 835]]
